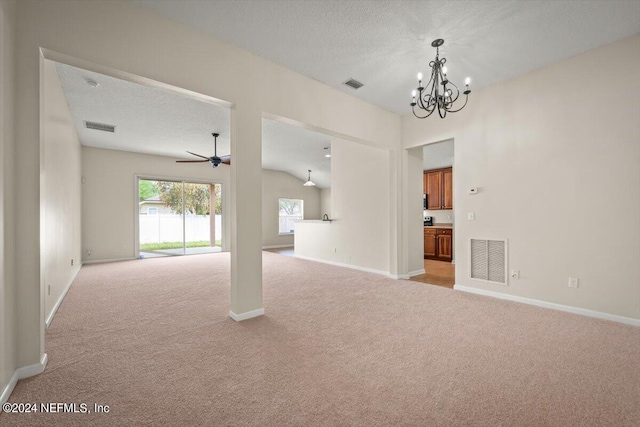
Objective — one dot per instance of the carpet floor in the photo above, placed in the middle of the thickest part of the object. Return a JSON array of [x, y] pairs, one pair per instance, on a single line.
[[152, 340]]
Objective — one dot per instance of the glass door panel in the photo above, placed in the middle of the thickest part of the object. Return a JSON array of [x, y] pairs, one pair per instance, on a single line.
[[175, 218], [201, 235], [160, 223]]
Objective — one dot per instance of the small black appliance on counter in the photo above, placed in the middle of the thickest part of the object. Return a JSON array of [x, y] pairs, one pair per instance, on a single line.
[[428, 220]]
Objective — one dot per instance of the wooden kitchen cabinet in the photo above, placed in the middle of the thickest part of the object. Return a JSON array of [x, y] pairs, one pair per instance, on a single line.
[[438, 243], [434, 186], [430, 243], [447, 189], [438, 185], [445, 244]]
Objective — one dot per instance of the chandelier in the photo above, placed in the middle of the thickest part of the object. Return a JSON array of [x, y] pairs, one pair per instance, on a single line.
[[439, 93]]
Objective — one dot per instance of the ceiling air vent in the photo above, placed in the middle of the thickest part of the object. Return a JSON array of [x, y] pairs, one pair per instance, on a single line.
[[100, 126], [353, 84]]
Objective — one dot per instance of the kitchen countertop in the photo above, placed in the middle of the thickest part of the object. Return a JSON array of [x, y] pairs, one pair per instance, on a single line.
[[439, 225]]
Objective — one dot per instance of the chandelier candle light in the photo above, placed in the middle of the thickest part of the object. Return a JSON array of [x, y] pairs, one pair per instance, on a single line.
[[439, 93]]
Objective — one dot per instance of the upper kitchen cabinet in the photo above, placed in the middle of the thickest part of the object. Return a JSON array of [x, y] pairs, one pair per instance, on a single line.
[[447, 189], [439, 188]]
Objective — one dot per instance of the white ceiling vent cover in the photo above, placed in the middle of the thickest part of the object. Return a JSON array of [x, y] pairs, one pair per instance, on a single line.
[[489, 260], [100, 126], [353, 83]]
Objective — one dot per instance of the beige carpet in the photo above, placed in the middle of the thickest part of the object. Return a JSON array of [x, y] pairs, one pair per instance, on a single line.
[[152, 340]]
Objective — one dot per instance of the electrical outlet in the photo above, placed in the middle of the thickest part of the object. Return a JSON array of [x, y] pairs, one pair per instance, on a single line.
[[515, 274], [471, 216], [573, 282], [88, 252], [72, 262]]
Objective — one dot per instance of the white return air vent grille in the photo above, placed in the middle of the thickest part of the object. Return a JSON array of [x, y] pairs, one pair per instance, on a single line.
[[100, 126], [489, 260]]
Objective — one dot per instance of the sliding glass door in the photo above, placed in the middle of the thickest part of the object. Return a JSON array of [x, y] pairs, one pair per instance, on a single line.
[[178, 218]]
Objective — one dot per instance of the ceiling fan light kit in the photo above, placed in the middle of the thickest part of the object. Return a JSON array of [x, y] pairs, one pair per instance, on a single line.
[[309, 183], [214, 160], [439, 93]]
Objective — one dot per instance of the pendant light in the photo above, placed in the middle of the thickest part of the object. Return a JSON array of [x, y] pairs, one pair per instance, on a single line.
[[309, 183]]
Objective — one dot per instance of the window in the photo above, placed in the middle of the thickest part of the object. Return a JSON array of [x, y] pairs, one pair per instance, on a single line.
[[153, 211], [291, 210]]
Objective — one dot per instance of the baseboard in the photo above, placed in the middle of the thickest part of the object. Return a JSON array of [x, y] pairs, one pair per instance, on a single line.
[[551, 305], [20, 374], [8, 389], [416, 273], [339, 264], [278, 246], [247, 315], [64, 294], [100, 261], [406, 276]]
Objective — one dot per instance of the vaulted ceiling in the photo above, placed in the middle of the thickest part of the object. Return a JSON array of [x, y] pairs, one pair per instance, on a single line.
[[384, 43]]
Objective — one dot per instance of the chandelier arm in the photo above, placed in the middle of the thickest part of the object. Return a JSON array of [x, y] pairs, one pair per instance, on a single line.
[[457, 92], [463, 105], [442, 112], [430, 80], [421, 117]]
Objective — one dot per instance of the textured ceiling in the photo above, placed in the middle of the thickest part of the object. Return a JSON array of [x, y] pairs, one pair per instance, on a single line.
[[153, 121], [147, 120], [384, 44]]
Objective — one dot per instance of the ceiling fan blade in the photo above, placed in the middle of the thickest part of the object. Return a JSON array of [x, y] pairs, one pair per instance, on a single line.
[[198, 155], [191, 161], [226, 160]]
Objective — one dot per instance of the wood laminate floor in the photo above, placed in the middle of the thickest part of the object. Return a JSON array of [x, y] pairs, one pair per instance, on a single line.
[[440, 273]]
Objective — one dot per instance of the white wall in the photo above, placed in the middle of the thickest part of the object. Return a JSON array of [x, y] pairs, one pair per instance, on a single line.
[[109, 196], [325, 202], [562, 139], [360, 191], [415, 189], [118, 36], [8, 294], [60, 242], [276, 185]]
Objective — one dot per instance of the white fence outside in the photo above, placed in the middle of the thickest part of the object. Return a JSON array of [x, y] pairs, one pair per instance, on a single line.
[[287, 223], [168, 228]]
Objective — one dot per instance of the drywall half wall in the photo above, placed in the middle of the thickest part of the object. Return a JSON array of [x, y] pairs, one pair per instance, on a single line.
[[547, 141], [60, 241], [276, 185], [109, 196], [359, 234], [8, 295]]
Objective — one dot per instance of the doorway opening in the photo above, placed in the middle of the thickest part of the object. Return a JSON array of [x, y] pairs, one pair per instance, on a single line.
[[178, 217], [437, 188]]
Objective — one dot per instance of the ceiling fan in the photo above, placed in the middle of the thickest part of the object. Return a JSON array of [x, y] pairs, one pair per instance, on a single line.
[[214, 160]]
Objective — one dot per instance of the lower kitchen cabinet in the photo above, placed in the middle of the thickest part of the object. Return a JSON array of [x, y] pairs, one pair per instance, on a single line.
[[430, 243], [438, 243]]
